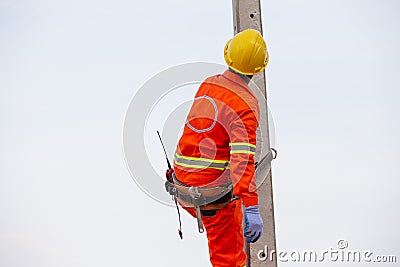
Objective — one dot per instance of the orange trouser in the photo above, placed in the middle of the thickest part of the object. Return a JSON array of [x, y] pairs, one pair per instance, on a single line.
[[225, 235]]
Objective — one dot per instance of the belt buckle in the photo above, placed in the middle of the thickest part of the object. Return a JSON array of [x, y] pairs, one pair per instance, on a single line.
[[194, 192]]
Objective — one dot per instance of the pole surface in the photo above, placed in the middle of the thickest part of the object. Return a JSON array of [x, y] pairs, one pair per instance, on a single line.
[[247, 14]]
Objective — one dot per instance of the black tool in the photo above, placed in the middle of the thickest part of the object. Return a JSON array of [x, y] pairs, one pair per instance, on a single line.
[[169, 175]]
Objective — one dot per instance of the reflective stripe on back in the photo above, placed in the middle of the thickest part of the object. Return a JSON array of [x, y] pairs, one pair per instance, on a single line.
[[200, 163]]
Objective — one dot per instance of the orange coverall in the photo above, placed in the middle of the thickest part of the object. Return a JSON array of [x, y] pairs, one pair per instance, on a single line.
[[218, 144]]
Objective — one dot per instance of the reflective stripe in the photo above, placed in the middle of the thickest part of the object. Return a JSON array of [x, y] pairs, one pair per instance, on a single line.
[[202, 159], [200, 163], [242, 152], [245, 148], [240, 144]]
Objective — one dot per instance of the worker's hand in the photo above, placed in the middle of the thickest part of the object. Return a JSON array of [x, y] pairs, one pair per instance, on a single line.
[[254, 224]]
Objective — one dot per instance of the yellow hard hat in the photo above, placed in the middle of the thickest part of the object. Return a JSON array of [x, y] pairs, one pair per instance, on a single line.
[[246, 52]]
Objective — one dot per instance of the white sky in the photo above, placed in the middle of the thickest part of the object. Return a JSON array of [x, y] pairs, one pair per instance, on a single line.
[[68, 70]]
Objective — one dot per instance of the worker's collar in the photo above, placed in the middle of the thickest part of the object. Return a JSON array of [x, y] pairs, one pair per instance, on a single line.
[[239, 78]]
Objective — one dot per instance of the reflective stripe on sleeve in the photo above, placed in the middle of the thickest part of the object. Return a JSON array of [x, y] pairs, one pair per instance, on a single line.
[[245, 148]]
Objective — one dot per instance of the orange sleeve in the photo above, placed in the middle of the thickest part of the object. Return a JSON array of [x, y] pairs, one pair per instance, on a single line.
[[242, 134]]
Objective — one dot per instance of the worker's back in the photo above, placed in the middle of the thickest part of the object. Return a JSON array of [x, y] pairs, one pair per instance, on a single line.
[[224, 111]]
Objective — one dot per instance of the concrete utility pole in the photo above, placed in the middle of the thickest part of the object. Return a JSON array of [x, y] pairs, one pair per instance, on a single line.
[[247, 14]]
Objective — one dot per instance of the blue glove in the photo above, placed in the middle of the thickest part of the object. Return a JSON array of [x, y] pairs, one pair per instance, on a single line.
[[254, 224]]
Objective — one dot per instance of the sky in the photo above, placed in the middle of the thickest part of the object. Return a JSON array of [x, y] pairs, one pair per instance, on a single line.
[[68, 73]]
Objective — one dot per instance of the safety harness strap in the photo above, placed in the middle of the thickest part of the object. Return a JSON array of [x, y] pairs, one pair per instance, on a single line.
[[201, 199]]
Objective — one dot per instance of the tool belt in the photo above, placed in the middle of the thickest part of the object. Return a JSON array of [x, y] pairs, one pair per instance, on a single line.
[[200, 198]]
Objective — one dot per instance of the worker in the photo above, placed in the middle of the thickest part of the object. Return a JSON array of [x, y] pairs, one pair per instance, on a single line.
[[216, 153]]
